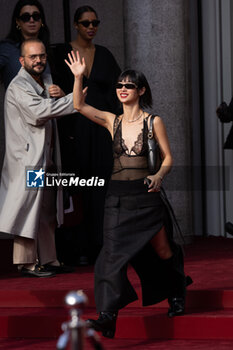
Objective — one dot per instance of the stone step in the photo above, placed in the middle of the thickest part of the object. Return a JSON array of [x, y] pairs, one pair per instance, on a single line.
[[218, 299], [134, 323]]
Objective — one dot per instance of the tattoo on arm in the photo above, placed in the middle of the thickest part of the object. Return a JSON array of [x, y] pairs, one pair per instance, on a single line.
[[96, 116]]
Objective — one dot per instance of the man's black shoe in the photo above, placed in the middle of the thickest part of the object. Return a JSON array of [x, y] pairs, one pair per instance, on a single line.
[[58, 269], [39, 271]]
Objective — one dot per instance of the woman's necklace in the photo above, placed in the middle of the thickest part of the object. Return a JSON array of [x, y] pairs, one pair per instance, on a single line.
[[134, 120]]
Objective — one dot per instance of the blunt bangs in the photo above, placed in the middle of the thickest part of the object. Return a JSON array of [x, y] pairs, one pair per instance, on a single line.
[[139, 79]]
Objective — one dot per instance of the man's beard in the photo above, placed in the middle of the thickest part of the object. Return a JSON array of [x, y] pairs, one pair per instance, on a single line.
[[32, 71]]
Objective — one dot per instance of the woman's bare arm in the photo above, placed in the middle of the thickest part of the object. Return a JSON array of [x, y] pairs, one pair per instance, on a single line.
[[77, 67]]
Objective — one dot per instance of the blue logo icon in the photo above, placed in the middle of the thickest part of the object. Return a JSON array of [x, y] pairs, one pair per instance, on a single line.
[[35, 178]]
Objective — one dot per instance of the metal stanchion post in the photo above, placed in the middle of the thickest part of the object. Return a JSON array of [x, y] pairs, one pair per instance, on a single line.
[[75, 330]]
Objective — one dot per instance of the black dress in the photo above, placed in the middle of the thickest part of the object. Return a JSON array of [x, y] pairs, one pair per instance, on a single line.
[[86, 146], [132, 217]]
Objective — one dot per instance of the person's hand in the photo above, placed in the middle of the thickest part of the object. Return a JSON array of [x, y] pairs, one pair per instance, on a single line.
[[223, 113], [76, 65], [56, 91], [154, 182]]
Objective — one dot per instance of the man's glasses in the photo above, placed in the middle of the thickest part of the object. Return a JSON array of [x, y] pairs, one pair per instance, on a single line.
[[86, 24], [129, 86], [41, 56], [25, 17]]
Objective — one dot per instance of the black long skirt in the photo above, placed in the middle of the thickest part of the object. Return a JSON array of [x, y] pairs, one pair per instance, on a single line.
[[132, 217]]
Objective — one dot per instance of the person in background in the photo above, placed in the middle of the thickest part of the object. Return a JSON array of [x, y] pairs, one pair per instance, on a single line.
[[32, 142], [137, 226], [28, 21], [225, 114], [85, 146]]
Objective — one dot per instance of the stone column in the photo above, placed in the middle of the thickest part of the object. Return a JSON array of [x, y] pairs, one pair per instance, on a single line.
[[156, 43]]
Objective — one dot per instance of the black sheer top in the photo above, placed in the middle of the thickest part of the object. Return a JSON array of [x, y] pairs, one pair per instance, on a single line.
[[129, 164]]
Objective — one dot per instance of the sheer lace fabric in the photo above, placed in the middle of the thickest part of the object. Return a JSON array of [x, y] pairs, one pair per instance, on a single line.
[[130, 163]]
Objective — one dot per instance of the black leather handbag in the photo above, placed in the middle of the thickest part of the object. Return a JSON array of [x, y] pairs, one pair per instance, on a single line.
[[154, 153]]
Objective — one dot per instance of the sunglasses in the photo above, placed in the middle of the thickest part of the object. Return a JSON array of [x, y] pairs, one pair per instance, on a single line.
[[25, 17], [129, 86], [86, 24]]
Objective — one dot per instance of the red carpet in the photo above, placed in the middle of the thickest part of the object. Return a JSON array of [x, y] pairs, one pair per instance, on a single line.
[[33, 308], [119, 344]]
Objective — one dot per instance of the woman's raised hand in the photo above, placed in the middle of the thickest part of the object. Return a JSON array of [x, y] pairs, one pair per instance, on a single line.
[[76, 65]]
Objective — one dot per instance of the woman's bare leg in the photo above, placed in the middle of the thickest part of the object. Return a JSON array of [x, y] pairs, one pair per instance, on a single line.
[[176, 298], [161, 245]]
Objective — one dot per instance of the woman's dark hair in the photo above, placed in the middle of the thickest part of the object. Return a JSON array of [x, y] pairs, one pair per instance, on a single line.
[[81, 10], [15, 34], [139, 79]]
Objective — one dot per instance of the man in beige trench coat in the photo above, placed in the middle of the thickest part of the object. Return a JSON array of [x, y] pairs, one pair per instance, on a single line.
[[32, 141]]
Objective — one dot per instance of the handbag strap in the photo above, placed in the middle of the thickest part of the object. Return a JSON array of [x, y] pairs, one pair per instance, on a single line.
[[150, 132]]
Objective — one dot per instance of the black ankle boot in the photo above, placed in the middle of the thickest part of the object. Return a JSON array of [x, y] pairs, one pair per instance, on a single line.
[[177, 303], [177, 306], [173, 268], [106, 323], [176, 300]]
